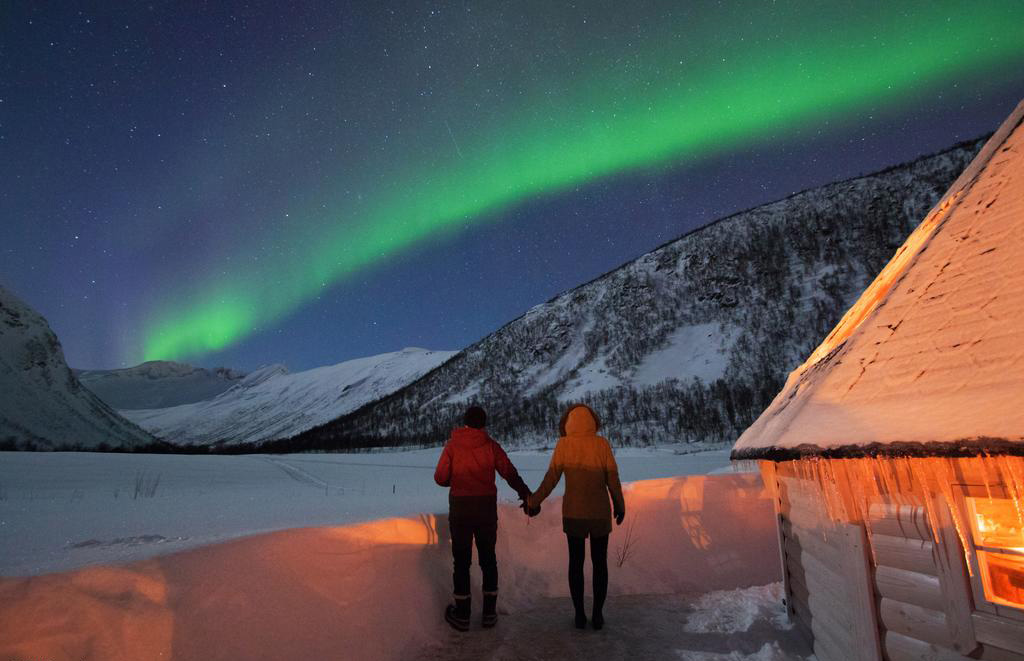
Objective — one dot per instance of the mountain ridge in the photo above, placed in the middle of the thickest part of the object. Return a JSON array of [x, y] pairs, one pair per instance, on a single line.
[[882, 208], [157, 383], [44, 406], [272, 401]]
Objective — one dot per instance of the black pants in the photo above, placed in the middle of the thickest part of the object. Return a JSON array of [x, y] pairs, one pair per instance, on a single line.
[[462, 552], [599, 559]]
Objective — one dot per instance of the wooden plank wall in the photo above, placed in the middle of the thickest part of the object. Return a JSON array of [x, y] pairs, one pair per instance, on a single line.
[[925, 605], [828, 576], [907, 580], [892, 581]]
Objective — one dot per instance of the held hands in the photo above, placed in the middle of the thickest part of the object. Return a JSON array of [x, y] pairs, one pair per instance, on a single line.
[[529, 511]]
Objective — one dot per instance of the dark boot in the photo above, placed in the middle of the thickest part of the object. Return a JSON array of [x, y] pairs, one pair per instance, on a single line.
[[457, 614], [490, 617]]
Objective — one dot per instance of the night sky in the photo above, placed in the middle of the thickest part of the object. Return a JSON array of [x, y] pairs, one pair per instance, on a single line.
[[306, 182]]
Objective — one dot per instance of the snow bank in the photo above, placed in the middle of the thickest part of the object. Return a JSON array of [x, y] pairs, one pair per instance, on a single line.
[[688, 535], [376, 590], [63, 510]]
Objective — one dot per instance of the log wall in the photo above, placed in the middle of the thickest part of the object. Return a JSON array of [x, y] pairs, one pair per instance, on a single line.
[[827, 571], [895, 586]]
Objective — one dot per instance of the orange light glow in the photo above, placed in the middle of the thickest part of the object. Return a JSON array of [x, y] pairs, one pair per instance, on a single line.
[[404, 531], [996, 525], [1003, 578], [848, 486]]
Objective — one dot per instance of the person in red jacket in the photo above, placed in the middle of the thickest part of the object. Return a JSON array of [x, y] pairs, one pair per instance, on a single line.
[[467, 465]]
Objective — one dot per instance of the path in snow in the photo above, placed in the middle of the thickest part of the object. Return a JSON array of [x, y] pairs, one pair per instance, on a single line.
[[637, 627]]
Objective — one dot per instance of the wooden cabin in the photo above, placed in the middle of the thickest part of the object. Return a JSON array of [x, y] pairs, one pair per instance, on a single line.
[[895, 453]]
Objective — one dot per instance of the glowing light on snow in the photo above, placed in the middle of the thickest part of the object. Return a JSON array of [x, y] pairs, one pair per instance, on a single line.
[[689, 100], [406, 531]]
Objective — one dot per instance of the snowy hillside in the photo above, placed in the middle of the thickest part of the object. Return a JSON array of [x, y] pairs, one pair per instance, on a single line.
[[690, 341], [271, 403], [157, 384], [42, 404]]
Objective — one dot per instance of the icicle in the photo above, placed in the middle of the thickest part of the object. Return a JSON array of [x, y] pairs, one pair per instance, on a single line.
[[945, 484], [818, 477], [919, 469], [891, 493], [868, 487], [983, 469], [770, 479], [927, 483], [865, 489], [1015, 484], [873, 476], [827, 480]]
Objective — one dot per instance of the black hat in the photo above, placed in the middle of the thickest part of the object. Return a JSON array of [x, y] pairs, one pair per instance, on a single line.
[[475, 417]]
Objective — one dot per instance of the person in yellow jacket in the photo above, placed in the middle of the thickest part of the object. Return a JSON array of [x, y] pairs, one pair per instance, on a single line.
[[591, 474]]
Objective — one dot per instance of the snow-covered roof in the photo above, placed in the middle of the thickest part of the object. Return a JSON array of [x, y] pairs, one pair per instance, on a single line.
[[930, 359]]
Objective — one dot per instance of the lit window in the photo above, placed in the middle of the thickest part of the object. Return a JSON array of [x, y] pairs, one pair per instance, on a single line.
[[998, 531]]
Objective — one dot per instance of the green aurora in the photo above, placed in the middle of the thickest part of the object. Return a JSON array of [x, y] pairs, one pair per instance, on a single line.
[[694, 96]]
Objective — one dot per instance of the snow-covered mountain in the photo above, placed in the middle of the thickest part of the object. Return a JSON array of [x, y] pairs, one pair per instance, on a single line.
[[273, 403], [157, 384], [42, 404], [688, 342]]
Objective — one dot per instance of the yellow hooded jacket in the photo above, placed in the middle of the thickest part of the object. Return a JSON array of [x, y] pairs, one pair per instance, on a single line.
[[591, 474]]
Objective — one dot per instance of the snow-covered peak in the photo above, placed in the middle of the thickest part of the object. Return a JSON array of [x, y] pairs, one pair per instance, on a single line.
[[261, 374], [272, 403], [42, 404], [154, 369], [158, 383]]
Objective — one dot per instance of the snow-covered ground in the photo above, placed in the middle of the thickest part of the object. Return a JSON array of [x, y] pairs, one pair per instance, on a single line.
[[742, 624], [61, 510], [682, 565]]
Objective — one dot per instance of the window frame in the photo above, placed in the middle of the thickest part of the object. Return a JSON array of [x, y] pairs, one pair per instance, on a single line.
[[981, 602]]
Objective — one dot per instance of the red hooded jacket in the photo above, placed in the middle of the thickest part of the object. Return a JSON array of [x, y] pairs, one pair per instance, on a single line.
[[467, 465]]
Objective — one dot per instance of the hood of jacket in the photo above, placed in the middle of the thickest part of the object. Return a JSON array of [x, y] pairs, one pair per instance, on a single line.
[[469, 437], [580, 422]]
